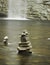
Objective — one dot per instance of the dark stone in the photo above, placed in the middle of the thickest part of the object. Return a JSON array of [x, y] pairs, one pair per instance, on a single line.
[[3, 15]]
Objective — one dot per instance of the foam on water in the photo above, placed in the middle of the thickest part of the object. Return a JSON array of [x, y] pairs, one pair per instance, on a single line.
[[14, 19]]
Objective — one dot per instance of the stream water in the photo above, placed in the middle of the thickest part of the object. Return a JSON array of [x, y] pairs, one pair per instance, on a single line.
[[39, 38]]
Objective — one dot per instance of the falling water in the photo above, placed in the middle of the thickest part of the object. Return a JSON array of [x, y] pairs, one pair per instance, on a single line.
[[17, 9]]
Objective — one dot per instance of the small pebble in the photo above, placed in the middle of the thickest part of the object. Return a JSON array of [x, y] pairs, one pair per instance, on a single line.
[[48, 38]]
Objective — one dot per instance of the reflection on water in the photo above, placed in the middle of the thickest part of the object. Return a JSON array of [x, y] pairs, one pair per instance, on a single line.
[[39, 34]]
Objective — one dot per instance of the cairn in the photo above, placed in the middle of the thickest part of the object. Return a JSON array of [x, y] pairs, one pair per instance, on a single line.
[[5, 41], [24, 44]]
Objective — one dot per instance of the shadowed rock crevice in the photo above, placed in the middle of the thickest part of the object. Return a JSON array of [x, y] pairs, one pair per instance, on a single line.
[[3, 15]]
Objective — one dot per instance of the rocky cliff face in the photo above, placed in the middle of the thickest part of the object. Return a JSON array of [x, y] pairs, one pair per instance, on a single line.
[[3, 8], [32, 9], [36, 9]]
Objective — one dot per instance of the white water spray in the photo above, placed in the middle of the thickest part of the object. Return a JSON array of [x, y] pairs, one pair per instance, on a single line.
[[17, 9]]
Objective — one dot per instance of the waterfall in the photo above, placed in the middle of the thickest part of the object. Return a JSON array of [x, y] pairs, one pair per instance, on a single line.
[[17, 9]]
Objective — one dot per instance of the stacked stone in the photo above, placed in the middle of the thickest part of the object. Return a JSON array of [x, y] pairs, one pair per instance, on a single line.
[[3, 7], [24, 46]]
